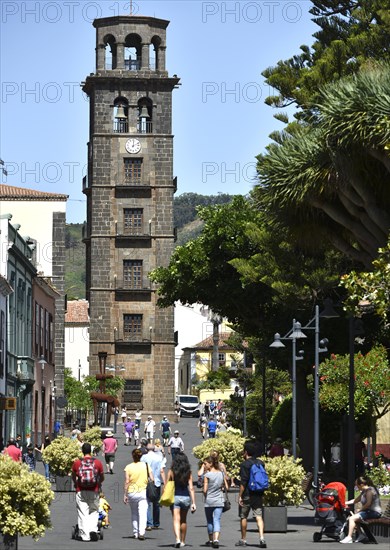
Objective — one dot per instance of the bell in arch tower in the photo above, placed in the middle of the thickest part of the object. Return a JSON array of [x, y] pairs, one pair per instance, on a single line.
[[129, 190]]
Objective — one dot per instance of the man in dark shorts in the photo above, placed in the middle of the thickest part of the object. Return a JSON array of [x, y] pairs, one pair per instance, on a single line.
[[247, 500]]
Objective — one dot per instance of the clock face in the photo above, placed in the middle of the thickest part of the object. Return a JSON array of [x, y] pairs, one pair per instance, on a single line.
[[133, 145]]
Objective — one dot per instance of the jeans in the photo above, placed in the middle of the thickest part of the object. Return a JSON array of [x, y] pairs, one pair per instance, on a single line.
[[154, 512], [47, 471], [213, 517], [139, 511]]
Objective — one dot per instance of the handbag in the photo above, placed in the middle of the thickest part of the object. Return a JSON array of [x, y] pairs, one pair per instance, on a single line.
[[151, 490], [226, 502], [168, 496]]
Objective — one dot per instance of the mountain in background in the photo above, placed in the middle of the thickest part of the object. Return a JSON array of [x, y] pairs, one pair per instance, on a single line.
[[188, 225]]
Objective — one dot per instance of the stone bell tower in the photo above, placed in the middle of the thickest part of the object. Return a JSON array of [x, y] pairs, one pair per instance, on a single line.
[[129, 189]]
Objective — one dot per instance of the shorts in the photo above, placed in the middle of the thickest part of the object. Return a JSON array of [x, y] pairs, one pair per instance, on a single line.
[[166, 435], [254, 503], [109, 458], [182, 502], [369, 514]]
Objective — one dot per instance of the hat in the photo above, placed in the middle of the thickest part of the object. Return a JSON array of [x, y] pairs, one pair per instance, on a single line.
[[150, 416], [278, 440], [109, 433], [165, 418], [176, 432], [144, 441]]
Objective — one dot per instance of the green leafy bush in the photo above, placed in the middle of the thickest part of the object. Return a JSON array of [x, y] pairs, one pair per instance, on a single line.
[[25, 498], [94, 437], [230, 447], [285, 481], [60, 455]]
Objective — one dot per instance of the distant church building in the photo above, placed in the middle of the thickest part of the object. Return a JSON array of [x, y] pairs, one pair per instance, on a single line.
[[129, 189]]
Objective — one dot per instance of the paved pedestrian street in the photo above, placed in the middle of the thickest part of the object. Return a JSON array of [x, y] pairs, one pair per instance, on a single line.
[[300, 520]]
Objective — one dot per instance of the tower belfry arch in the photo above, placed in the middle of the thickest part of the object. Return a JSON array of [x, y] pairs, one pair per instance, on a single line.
[[129, 189]]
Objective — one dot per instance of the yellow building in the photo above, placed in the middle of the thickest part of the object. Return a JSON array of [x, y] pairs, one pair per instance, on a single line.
[[197, 360]]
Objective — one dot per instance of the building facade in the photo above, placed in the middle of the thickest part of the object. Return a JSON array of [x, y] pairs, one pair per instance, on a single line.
[[129, 189], [77, 338]]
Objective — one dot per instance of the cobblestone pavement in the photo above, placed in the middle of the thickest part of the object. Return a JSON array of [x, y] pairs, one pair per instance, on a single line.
[[300, 520]]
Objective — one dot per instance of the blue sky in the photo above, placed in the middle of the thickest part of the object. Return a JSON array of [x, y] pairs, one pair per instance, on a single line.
[[220, 121]]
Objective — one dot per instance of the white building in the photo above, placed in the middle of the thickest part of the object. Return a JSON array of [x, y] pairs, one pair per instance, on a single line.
[[77, 338]]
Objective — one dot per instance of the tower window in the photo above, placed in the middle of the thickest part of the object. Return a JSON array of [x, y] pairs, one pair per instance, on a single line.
[[132, 170], [132, 326], [132, 273], [121, 112], [145, 115], [133, 218]]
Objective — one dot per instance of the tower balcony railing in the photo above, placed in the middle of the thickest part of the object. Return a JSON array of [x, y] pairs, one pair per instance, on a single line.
[[121, 126], [132, 64], [136, 336], [136, 284], [145, 127], [133, 181], [142, 230]]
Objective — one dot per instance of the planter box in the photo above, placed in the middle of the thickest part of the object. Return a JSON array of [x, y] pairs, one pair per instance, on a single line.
[[64, 484], [275, 519], [8, 543]]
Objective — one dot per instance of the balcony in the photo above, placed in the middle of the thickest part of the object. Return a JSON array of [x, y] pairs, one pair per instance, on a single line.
[[133, 291], [25, 370], [136, 237], [145, 127], [133, 342], [121, 126]]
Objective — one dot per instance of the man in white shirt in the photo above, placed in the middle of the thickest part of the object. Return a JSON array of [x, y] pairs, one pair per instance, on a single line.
[[150, 427], [156, 463], [175, 444]]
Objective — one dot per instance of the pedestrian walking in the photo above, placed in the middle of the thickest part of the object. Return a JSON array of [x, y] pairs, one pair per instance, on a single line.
[[150, 426], [13, 451], [180, 473], [212, 427], [248, 500], [206, 410], [136, 480], [110, 445], [88, 476], [138, 417], [177, 411], [129, 430], [202, 425], [123, 418], [213, 483], [29, 458], [165, 428], [155, 461], [46, 442], [175, 445]]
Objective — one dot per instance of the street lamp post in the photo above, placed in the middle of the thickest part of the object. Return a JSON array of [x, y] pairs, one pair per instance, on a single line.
[[294, 334]]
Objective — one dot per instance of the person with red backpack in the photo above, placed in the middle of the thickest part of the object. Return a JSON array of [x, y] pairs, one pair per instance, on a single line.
[[88, 476]]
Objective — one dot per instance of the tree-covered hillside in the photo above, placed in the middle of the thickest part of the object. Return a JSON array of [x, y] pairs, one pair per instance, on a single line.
[[185, 220]]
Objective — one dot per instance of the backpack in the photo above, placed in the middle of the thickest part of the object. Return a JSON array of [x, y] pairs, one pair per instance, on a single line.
[[87, 473], [258, 478]]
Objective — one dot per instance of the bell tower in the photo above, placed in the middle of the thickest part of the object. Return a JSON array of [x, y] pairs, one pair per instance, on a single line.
[[129, 190]]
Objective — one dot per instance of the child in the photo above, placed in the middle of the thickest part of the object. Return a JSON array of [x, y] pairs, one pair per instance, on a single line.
[[29, 458], [136, 435], [104, 508]]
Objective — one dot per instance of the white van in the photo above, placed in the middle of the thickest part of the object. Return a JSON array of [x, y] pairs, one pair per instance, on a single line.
[[189, 405]]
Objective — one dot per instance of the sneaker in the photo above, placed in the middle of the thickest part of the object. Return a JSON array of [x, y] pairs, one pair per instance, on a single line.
[[215, 543], [241, 543], [361, 538], [148, 528], [93, 536], [208, 543], [141, 537], [177, 544], [346, 540], [263, 544]]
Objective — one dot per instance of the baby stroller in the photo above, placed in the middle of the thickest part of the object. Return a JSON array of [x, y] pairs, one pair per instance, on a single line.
[[330, 511]]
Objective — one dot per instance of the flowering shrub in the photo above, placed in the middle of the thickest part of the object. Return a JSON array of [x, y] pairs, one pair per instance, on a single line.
[[60, 455], [380, 477], [24, 500], [285, 481], [230, 447], [94, 437]]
